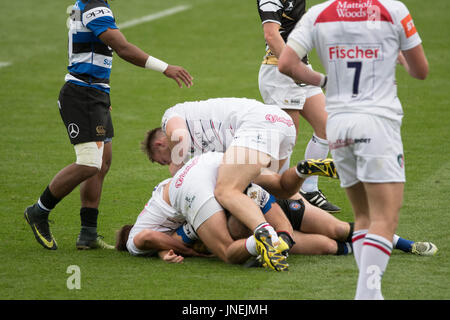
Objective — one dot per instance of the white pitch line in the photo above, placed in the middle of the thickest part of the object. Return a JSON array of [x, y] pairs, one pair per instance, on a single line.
[[153, 16], [5, 64]]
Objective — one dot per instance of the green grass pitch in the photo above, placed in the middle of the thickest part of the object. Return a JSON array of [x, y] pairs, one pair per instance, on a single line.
[[221, 44]]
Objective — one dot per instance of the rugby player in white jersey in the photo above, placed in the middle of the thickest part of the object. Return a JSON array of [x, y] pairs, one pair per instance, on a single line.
[[162, 227], [254, 137], [358, 43], [189, 196]]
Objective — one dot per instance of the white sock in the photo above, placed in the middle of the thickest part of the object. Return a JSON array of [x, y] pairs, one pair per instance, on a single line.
[[395, 240], [357, 242], [374, 259], [250, 245], [317, 148], [272, 232]]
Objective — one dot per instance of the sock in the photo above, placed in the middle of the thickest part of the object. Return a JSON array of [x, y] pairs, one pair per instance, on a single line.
[[374, 259], [357, 241], [344, 248], [271, 230], [250, 245], [317, 148], [89, 222], [47, 200], [402, 244]]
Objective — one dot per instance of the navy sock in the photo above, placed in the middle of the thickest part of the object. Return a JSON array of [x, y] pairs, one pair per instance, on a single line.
[[47, 200], [89, 217], [344, 248], [404, 244]]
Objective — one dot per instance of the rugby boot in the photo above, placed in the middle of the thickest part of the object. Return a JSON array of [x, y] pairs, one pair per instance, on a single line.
[[318, 199], [317, 167], [86, 242], [424, 248], [271, 256], [38, 221]]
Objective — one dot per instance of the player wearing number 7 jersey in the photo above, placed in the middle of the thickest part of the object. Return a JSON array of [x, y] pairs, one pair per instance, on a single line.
[[358, 43]]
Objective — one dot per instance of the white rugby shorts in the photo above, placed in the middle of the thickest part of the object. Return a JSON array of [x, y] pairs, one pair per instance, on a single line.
[[366, 148], [269, 130], [278, 89], [191, 191]]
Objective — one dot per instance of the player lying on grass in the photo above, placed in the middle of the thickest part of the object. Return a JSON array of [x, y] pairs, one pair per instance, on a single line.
[[315, 231], [189, 196], [255, 138]]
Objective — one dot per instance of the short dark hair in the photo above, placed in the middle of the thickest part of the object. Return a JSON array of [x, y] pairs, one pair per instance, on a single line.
[[122, 237], [147, 144]]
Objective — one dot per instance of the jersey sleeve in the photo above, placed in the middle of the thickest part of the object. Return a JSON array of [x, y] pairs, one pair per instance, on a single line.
[[409, 37], [98, 18], [169, 114], [302, 35], [270, 11]]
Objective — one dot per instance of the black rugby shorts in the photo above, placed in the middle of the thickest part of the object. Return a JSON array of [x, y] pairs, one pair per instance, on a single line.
[[294, 211], [86, 113]]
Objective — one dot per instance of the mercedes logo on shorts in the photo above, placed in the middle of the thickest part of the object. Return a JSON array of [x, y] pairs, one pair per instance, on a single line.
[[73, 130]]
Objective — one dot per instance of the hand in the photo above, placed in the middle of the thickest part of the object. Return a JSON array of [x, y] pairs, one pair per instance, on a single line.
[[179, 74], [171, 257]]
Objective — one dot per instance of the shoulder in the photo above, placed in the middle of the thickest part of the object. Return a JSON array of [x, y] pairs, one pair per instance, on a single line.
[[270, 5], [92, 4], [94, 9], [396, 8]]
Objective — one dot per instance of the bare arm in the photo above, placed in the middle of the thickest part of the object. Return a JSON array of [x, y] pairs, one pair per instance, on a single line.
[[179, 140], [273, 38], [155, 240], [291, 65], [126, 50], [417, 62], [131, 53]]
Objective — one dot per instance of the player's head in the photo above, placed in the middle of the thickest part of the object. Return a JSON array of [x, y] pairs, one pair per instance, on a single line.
[[156, 146], [122, 237]]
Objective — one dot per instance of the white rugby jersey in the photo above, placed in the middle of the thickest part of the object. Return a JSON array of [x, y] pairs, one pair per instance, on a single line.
[[212, 123], [358, 44], [157, 214], [193, 185]]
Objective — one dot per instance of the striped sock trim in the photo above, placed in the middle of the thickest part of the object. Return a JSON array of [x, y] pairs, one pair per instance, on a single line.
[[358, 235], [42, 207], [378, 242]]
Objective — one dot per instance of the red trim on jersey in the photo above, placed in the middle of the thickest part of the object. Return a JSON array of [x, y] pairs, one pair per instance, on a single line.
[[354, 10]]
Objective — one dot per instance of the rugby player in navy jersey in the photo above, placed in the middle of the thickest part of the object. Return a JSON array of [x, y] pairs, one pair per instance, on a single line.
[[84, 105]]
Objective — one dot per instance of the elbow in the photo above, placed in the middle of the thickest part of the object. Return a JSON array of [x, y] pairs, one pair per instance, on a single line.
[[122, 51], [283, 67], [420, 74], [423, 74]]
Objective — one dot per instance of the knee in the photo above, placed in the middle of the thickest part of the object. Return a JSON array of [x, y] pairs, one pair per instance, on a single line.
[[341, 231], [88, 171], [105, 166], [221, 192], [89, 156]]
